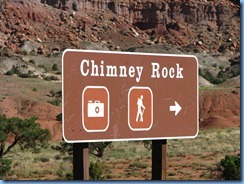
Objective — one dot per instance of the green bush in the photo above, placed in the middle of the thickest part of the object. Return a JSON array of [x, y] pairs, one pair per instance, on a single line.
[[25, 133], [218, 81], [24, 75], [55, 102], [41, 159], [49, 78], [24, 52], [32, 61], [43, 67], [95, 171], [59, 117], [59, 94], [221, 67], [55, 54], [214, 65], [10, 72], [55, 67], [210, 77], [5, 52], [230, 167], [5, 166], [53, 93]]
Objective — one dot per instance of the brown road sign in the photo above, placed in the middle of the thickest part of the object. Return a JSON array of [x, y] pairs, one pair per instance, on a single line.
[[109, 96]]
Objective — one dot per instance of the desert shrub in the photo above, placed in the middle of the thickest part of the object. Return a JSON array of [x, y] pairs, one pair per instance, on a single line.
[[235, 73], [34, 89], [59, 117], [200, 72], [147, 144], [24, 75], [95, 171], [64, 148], [49, 78], [55, 102], [123, 31], [42, 159], [138, 165], [26, 133], [218, 81], [214, 65], [98, 148], [210, 77], [152, 37], [5, 166], [53, 93], [221, 67], [55, 54], [43, 67], [69, 176], [5, 52], [105, 28], [55, 67], [57, 157], [230, 167], [24, 52], [32, 61], [10, 72], [59, 94], [221, 74], [95, 148]]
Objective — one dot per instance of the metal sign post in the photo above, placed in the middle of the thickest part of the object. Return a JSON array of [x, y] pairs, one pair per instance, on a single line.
[[81, 161], [159, 165]]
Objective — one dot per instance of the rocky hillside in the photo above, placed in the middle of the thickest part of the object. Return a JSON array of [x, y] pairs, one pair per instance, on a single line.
[[52, 25]]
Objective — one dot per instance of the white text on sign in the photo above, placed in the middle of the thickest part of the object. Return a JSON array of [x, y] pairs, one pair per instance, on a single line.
[[90, 68]]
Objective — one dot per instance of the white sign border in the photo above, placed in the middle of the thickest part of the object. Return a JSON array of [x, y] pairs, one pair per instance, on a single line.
[[127, 53]]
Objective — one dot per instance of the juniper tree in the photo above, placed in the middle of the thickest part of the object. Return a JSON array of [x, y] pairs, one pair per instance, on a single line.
[[26, 133]]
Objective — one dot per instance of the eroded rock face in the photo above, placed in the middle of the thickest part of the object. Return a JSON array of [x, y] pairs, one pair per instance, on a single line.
[[199, 26], [147, 14], [219, 109]]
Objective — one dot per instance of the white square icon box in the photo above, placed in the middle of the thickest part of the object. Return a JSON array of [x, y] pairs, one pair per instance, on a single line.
[[140, 108], [95, 108]]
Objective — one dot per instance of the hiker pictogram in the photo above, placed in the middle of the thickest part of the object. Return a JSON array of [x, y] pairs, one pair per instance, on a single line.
[[140, 108]]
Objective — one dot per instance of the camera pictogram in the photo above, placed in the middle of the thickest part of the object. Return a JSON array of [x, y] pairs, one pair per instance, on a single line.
[[95, 108]]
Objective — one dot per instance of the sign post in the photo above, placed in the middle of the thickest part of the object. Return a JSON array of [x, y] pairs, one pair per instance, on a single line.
[[159, 165], [81, 161]]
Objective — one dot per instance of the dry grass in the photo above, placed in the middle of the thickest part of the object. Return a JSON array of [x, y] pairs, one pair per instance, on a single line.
[[15, 86], [187, 159]]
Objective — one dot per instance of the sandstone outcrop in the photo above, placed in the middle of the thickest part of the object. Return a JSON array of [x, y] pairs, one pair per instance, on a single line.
[[202, 26]]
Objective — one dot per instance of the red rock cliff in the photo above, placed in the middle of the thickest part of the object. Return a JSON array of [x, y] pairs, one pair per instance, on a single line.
[[147, 14]]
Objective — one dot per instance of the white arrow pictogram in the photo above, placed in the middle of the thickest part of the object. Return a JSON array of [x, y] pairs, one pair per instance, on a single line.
[[177, 108]]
